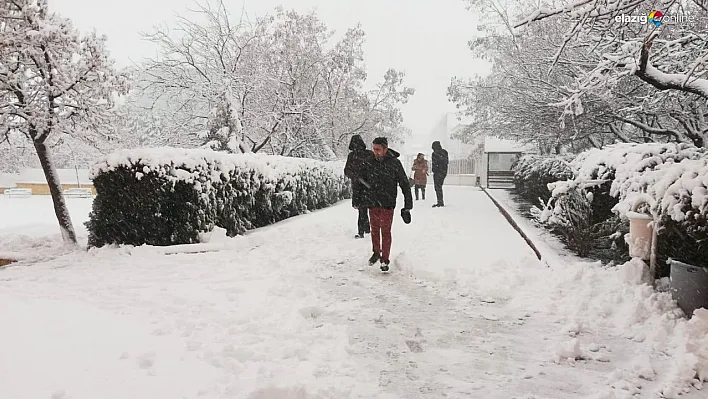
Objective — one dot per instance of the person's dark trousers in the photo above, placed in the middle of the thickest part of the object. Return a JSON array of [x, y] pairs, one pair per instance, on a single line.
[[438, 180], [420, 187], [363, 222]]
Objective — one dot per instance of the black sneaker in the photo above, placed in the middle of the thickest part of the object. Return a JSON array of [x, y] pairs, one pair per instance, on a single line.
[[360, 235], [384, 265], [374, 258]]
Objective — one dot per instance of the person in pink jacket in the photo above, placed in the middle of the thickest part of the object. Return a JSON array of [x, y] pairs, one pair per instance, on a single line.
[[420, 175]]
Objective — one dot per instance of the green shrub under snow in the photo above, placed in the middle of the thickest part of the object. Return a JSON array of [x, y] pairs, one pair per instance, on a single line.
[[605, 178], [533, 173], [677, 192], [165, 196]]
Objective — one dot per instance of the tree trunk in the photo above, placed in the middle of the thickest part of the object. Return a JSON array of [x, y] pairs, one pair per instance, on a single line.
[[60, 209]]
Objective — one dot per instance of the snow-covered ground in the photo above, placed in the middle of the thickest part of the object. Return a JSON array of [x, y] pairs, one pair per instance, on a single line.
[[29, 228], [286, 312]]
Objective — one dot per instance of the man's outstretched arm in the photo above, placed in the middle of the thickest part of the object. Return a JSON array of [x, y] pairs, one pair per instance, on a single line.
[[405, 186]]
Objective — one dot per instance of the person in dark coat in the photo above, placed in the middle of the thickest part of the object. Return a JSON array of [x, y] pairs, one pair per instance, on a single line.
[[420, 175], [358, 155], [440, 161], [382, 175]]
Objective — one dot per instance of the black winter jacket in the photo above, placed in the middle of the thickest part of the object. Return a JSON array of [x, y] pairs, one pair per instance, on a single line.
[[382, 179], [440, 159], [358, 156]]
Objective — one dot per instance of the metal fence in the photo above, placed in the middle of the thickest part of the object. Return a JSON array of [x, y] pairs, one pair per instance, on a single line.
[[455, 167], [461, 167]]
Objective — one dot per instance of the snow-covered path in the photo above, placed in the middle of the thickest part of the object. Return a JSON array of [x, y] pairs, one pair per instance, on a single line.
[[468, 312]]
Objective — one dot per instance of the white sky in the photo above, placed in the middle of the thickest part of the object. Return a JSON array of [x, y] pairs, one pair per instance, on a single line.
[[426, 39]]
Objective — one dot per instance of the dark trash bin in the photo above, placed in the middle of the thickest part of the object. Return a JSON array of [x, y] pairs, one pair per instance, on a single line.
[[689, 286]]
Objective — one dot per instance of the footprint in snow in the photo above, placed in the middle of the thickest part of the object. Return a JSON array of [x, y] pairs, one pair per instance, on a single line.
[[311, 312], [414, 346]]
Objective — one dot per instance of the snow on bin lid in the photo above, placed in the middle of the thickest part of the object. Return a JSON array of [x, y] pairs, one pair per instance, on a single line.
[[637, 215]]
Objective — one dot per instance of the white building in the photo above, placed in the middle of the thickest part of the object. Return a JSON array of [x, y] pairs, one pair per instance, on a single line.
[[494, 163], [68, 178]]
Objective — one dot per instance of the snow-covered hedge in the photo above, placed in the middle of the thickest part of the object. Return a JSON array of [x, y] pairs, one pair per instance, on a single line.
[[533, 173], [609, 178], [618, 165], [610, 173], [165, 196], [678, 193]]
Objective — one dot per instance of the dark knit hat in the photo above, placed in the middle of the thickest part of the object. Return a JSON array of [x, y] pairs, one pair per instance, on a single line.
[[381, 141]]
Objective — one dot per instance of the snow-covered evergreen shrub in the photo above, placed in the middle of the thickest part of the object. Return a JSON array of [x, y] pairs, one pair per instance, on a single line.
[[616, 167], [571, 219], [679, 192], [533, 173], [607, 177], [570, 214], [165, 196]]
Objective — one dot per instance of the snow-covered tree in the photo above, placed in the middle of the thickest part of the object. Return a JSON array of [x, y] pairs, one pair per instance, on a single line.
[[204, 58], [292, 91], [558, 83], [224, 130], [667, 55], [53, 82], [518, 99], [15, 153]]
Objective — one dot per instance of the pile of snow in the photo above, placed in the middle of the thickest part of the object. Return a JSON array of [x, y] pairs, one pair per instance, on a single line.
[[29, 229], [590, 300]]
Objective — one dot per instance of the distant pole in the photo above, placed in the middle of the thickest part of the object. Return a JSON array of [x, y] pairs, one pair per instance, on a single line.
[[653, 258], [76, 168], [78, 182]]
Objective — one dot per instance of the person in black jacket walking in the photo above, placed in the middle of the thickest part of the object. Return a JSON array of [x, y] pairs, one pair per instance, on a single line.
[[382, 175], [440, 161], [358, 155]]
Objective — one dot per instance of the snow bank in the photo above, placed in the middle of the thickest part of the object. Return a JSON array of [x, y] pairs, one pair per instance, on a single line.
[[588, 299], [612, 314]]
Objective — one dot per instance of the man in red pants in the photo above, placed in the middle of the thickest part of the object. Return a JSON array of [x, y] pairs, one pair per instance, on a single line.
[[382, 174]]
